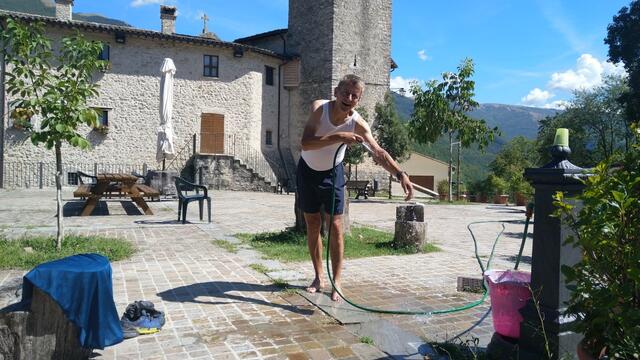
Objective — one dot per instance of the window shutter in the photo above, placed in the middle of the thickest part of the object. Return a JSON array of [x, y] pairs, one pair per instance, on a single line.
[[291, 74]]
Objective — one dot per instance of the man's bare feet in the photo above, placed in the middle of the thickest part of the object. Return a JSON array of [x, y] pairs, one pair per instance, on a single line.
[[335, 296], [316, 286]]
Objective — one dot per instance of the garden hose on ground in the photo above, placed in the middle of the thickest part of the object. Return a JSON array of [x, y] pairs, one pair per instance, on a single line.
[[432, 312]]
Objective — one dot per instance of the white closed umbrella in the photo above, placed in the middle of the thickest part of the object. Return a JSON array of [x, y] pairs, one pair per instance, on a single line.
[[165, 146]]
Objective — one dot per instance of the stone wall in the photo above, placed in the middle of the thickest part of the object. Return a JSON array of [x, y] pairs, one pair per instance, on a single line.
[[130, 91]]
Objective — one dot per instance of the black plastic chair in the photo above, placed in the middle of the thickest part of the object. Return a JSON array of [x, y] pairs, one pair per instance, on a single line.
[[182, 188], [142, 179], [82, 176]]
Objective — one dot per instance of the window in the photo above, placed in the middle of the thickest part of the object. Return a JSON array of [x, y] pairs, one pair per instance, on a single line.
[[268, 137], [103, 117], [104, 53], [72, 178], [210, 66], [269, 74]]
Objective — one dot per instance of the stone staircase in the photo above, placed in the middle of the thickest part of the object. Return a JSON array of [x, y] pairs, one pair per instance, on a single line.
[[226, 172]]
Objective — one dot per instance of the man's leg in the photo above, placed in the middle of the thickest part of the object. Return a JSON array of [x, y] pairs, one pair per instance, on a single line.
[[337, 254], [314, 242]]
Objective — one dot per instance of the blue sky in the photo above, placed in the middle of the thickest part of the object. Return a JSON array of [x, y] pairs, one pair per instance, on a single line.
[[526, 52]]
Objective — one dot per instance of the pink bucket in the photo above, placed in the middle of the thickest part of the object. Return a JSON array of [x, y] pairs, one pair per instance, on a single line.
[[509, 292]]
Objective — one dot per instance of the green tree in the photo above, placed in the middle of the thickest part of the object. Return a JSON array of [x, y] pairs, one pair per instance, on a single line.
[[596, 121], [624, 45], [391, 134], [355, 153], [54, 87], [517, 155], [442, 107]]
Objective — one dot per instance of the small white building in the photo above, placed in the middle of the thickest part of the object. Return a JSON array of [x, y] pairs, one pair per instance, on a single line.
[[424, 171]]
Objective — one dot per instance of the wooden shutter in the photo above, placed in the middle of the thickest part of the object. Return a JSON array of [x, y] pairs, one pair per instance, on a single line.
[[212, 134], [291, 74]]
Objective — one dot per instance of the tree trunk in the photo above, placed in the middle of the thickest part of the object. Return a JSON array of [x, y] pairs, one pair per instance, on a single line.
[[458, 174], [60, 234], [390, 180], [450, 164], [43, 332]]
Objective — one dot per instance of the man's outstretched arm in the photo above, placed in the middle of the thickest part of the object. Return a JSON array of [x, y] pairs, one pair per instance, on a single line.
[[382, 157]]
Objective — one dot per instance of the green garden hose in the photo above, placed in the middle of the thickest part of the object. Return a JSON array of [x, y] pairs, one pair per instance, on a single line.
[[406, 312]]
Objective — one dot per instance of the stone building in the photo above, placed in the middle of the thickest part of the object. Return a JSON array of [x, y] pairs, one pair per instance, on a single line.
[[240, 102]]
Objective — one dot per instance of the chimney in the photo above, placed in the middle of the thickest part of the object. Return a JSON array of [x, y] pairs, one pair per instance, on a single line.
[[168, 18], [63, 9]]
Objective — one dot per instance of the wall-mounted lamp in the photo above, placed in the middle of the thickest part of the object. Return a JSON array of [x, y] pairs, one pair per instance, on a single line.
[[120, 37], [238, 51]]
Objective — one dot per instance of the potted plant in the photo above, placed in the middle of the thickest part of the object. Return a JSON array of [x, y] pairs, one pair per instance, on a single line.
[[21, 118], [498, 189], [443, 189], [104, 130], [605, 283], [520, 189]]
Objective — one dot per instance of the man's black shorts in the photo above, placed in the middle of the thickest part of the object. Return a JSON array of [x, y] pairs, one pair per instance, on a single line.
[[315, 188]]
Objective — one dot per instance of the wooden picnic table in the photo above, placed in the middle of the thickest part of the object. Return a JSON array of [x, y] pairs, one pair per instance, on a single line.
[[126, 184]]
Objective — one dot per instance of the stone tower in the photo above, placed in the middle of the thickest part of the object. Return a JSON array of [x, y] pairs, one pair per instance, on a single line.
[[333, 38]]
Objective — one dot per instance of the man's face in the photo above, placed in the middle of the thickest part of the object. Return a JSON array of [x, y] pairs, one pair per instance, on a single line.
[[348, 96]]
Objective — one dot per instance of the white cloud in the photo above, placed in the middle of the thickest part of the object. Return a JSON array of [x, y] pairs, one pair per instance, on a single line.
[[399, 82], [588, 73], [138, 3], [422, 54], [536, 97]]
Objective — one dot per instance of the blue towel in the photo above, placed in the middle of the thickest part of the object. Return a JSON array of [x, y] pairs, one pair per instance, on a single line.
[[81, 285]]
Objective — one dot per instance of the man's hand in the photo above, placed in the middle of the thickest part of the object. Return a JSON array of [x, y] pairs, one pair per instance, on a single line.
[[407, 187], [348, 137]]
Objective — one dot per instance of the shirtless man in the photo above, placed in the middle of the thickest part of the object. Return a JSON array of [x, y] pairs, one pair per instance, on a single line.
[[331, 124]]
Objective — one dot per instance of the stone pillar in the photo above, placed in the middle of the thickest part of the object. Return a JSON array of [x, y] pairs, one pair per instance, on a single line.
[[163, 181], [549, 254], [411, 230]]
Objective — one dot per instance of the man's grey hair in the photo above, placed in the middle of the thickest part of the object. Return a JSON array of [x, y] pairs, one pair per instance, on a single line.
[[351, 79]]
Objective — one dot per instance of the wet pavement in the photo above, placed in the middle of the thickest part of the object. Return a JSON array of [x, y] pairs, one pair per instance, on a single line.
[[218, 307]]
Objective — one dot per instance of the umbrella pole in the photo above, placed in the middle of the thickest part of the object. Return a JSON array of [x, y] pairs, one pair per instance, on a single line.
[[163, 159]]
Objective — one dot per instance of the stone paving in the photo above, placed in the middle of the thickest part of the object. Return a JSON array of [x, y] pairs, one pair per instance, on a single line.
[[218, 307]]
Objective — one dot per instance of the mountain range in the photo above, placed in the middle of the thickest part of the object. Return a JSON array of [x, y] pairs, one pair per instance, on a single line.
[[513, 120], [47, 8]]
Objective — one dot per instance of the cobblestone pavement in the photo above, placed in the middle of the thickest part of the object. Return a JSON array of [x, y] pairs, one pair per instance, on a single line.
[[218, 307]]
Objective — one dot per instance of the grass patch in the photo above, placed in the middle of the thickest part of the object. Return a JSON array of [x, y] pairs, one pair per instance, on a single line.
[[366, 340], [289, 291], [230, 247], [13, 255], [282, 284], [259, 268], [290, 246]]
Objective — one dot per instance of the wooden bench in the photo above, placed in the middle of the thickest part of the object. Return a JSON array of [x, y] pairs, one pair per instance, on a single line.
[[83, 191], [86, 190], [361, 187], [148, 191]]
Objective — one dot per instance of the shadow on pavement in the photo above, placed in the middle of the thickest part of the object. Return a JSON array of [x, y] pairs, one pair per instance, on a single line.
[[222, 290], [159, 222], [74, 208]]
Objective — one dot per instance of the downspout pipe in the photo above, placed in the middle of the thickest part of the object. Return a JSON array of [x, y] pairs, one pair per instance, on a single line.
[[284, 164], [2, 110]]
